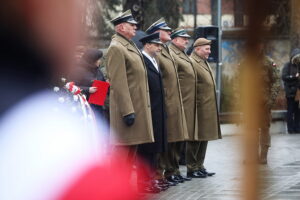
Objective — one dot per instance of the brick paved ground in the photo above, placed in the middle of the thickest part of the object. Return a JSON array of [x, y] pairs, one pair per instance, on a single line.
[[281, 180]]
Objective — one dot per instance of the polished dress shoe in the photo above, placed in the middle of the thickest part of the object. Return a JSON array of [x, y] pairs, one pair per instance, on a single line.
[[162, 184], [196, 174], [184, 178], [203, 171], [174, 179], [179, 178], [149, 189], [166, 182], [170, 183]]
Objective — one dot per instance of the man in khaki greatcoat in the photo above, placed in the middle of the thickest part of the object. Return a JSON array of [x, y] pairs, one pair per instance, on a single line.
[[130, 111], [176, 123], [207, 111], [187, 82]]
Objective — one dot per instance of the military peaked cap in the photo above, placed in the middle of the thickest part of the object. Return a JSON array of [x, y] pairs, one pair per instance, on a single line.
[[124, 17], [158, 25], [179, 32], [151, 38]]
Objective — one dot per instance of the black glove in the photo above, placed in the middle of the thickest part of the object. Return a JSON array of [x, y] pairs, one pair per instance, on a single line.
[[129, 119]]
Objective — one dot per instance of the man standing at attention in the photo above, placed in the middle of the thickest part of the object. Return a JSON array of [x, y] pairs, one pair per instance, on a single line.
[[149, 151], [176, 123], [187, 82], [130, 111], [207, 110]]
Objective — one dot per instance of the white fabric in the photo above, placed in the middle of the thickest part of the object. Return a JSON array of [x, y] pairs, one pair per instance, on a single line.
[[152, 60], [44, 146]]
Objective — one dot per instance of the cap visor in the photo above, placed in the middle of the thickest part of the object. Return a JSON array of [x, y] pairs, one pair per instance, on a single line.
[[165, 28], [156, 42], [184, 35], [132, 21]]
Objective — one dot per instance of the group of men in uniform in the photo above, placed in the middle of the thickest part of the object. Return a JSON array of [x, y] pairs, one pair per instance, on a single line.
[[160, 98]]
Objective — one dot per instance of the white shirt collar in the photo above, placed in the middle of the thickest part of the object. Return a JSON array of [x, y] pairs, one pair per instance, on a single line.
[[151, 59]]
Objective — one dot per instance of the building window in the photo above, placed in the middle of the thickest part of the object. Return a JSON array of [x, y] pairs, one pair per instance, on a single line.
[[188, 6]]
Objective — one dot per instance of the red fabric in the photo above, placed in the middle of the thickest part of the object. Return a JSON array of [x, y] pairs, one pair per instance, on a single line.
[[108, 181], [73, 86], [99, 97]]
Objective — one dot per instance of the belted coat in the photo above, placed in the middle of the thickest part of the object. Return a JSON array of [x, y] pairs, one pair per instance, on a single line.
[[129, 93], [176, 122], [207, 110], [187, 81]]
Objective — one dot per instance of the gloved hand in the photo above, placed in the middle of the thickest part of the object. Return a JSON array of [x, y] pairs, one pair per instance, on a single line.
[[129, 119]]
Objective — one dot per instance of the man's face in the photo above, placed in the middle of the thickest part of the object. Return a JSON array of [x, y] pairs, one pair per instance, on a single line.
[[129, 29], [153, 49], [164, 35], [203, 51], [181, 42]]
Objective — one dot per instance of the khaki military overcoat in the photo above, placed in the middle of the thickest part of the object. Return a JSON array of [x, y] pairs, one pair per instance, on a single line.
[[207, 110], [187, 81], [176, 122], [129, 93]]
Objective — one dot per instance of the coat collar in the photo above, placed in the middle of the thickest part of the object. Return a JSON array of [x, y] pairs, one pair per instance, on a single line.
[[150, 64], [179, 52], [165, 51], [126, 43], [199, 60]]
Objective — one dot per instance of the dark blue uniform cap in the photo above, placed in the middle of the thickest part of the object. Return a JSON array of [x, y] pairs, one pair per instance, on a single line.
[[158, 25], [152, 38]]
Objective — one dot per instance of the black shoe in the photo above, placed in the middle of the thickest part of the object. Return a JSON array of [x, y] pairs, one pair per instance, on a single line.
[[168, 182], [162, 183], [203, 171], [196, 175], [179, 178], [185, 178], [172, 179], [150, 189], [172, 183]]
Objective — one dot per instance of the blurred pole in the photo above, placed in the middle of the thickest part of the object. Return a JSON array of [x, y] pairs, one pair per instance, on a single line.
[[252, 99], [219, 63]]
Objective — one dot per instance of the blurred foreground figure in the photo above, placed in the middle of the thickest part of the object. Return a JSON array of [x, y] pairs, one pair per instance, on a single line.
[[291, 79], [47, 151], [268, 78]]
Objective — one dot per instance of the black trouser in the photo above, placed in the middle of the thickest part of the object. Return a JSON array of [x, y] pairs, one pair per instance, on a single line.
[[293, 115], [146, 166]]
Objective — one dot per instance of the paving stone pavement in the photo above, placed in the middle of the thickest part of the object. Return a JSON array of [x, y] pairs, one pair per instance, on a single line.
[[280, 180]]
